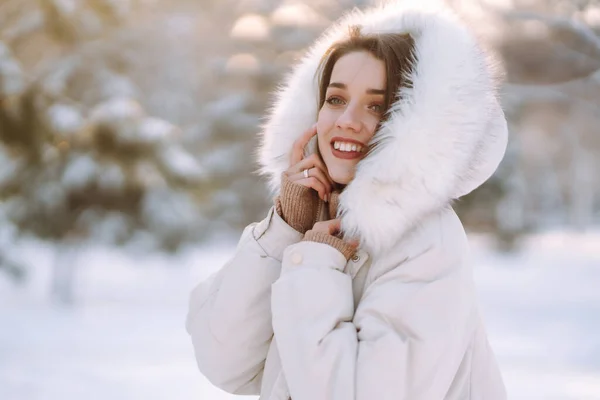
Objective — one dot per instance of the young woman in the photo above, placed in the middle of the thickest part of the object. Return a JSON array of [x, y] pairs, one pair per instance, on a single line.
[[357, 284]]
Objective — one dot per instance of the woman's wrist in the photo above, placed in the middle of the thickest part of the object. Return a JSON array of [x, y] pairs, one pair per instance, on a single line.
[[297, 205], [342, 246]]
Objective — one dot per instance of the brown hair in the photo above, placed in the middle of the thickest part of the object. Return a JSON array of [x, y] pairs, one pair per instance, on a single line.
[[394, 49]]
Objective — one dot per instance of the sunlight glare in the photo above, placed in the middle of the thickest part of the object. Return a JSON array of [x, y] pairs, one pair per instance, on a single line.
[[251, 27]]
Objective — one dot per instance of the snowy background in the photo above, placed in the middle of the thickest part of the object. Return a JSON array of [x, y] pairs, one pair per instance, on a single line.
[[127, 131], [125, 338]]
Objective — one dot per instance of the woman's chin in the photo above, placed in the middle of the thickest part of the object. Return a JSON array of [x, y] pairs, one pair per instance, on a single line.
[[341, 171], [341, 178]]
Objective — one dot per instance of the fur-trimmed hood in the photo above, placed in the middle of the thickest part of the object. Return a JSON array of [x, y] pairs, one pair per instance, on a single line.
[[443, 139]]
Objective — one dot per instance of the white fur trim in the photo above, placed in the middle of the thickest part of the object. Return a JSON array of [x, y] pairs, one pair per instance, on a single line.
[[444, 138]]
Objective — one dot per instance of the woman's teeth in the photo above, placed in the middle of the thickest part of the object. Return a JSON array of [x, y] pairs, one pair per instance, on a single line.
[[343, 146]]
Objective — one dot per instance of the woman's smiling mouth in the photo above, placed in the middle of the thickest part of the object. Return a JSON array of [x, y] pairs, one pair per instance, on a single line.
[[347, 149]]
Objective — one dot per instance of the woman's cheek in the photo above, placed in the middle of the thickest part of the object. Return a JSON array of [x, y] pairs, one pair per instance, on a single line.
[[323, 128], [326, 117]]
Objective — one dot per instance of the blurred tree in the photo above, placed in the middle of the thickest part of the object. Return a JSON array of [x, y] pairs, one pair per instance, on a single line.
[[97, 169], [551, 51], [260, 41], [136, 121]]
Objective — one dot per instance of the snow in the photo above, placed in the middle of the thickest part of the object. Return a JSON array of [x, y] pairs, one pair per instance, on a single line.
[[116, 109], [55, 83], [10, 166], [225, 159], [148, 175], [112, 178], [226, 106], [125, 338], [4, 51], [542, 309], [156, 130], [11, 76], [180, 163], [64, 119], [169, 212], [106, 226], [116, 85], [50, 196], [8, 231], [80, 171]]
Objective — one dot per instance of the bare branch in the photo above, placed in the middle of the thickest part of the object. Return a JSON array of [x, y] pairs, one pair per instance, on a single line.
[[544, 49], [580, 93], [564, 29]]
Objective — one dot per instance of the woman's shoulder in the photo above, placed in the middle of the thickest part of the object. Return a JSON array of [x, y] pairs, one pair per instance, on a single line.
[[433, 248], [441, 232]]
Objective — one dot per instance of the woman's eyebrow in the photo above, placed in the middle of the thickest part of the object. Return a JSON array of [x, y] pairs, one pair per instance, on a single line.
[[343, 86], [338, 85]]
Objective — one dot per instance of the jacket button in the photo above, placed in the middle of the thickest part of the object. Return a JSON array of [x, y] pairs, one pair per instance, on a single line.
[[296, 258], [356, 258]]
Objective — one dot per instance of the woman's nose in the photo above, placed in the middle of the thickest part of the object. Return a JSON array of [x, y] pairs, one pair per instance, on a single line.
[[350, 119]]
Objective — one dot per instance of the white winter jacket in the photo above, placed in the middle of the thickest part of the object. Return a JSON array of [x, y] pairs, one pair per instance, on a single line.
[[286, 318]]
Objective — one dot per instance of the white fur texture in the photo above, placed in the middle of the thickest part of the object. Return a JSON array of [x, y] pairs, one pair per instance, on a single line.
[[444, 138]]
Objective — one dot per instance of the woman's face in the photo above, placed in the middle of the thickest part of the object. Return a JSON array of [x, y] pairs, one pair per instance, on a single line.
[[352, 110]]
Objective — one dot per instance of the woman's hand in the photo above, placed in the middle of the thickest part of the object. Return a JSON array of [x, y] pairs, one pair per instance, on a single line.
[[302, 184], [329, 232], [332, 227], [316, 175]]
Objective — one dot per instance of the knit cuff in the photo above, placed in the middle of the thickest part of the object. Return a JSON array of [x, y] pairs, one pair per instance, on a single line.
[[297, 205], [321, 237]]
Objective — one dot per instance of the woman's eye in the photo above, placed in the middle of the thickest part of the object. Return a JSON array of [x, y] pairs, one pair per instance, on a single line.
[[378, 108], [334, 100]]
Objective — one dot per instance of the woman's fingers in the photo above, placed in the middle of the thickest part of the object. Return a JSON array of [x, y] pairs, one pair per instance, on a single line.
[[334, 226], [313, 161], [321, 226], [316, 184], [331, 227], [314, 172], [353, 242], [300, 144], [316, 176]]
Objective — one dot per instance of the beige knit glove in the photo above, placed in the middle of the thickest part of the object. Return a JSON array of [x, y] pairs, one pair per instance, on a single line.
[[297, 205]]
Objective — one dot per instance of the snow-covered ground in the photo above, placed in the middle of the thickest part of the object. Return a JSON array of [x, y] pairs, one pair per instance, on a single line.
[[125, 337]]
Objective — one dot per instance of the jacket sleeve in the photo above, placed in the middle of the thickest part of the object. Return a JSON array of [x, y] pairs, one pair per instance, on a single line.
[[229, 317], [405, 340]]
